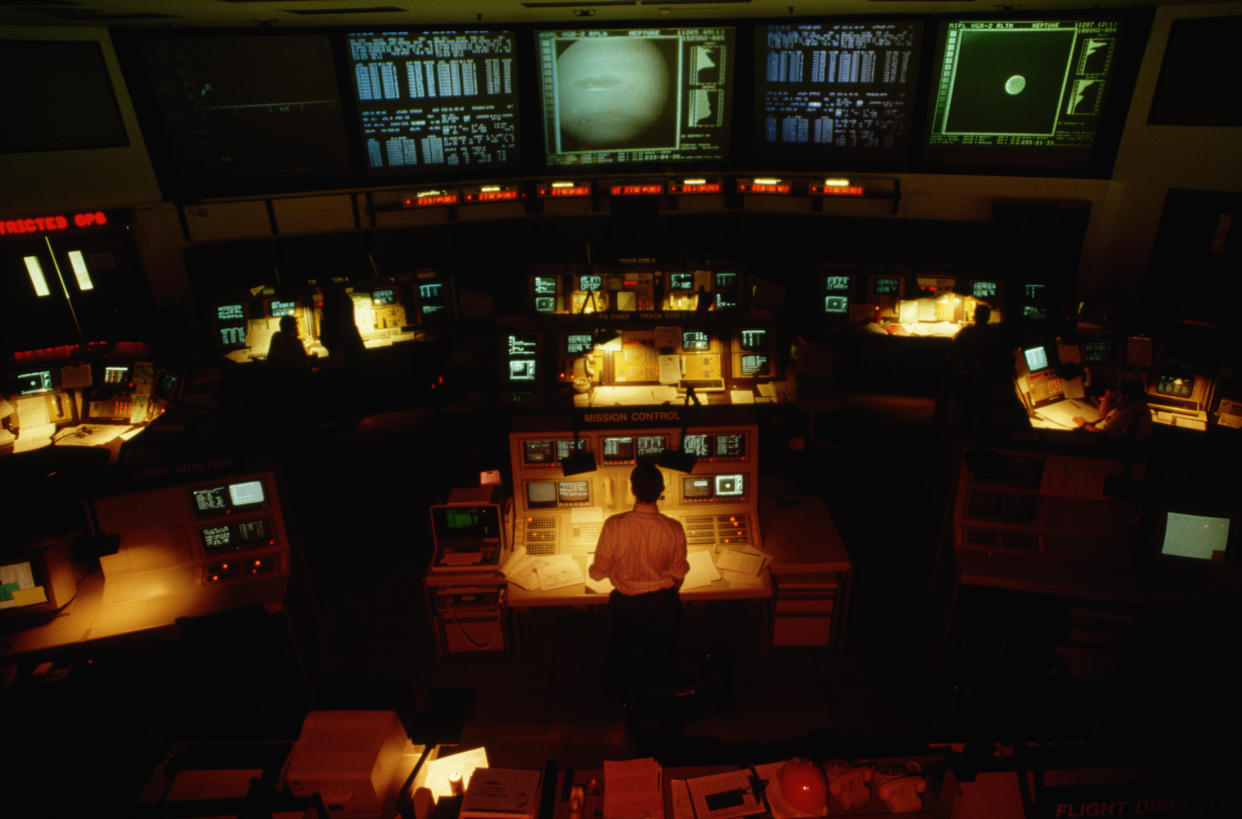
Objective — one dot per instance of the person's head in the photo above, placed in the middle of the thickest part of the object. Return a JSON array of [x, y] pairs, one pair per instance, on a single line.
[[983, 313], [1131, 390], [647, 482], [289, 324]]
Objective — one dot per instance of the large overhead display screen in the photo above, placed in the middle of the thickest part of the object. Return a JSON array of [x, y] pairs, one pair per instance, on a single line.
[[835, 92], [634, 96], [244, 112], [1021, 93], [435, 100]]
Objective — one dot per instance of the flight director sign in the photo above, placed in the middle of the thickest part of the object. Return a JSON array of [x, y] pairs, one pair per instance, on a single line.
[[1155, 800]]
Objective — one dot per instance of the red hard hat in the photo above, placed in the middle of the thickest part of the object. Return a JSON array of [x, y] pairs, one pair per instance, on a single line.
[[803, 785]]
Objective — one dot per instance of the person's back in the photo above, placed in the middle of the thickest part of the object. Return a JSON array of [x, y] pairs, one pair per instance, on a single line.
[[285, 350]]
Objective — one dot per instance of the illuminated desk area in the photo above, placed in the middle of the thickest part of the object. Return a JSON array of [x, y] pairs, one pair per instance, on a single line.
[[58, 398], [931, 307]]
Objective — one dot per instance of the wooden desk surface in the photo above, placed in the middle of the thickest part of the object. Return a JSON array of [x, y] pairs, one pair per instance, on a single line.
[[799, 534], [87, 617]]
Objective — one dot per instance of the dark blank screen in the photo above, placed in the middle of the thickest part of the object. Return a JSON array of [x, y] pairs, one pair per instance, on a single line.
[[58, 97], [1201, 76]]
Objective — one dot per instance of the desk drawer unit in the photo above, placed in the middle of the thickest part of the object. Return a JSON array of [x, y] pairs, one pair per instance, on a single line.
[[805, 610]]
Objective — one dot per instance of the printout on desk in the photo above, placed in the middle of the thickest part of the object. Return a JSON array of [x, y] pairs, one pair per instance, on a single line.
[[702, 570], [543, 572], [633, 789], [1061, 413], [36, 427], [742, 562]]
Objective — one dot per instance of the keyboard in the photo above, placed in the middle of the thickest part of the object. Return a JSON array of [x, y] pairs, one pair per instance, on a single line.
[[702, 384]]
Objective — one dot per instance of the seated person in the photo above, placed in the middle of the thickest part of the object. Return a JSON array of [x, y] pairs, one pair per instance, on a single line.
[[285, 350], [1128, 413]]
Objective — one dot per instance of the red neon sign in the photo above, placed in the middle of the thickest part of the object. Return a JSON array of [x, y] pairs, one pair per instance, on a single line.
[[577, 190], [47, 224], [636, 190]]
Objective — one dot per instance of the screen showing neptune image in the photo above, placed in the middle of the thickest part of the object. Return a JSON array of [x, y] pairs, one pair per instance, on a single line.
[[1021, 92], [625, 96]]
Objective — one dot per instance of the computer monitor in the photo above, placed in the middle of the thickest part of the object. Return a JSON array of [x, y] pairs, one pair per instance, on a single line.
[[726, 280], [386, 295], [697, 444], [579, 343], [465, 523], [521, 353], [218, 539], [756, 364], [695, 341], [540, 494], [1099, 352], [1196, 536], [545, 285], [836, 305], [35, 382], [115, 375], [732, 485], [886, 286], [570, 492], [629, 96], [696, 487], [618, 449], [545, 304], [277, 308], [230, 312], [982, 289], [834, 283], [590, 282], [681, 281], [726, 301], [565, 447], [246, 495], [210, 501], [1036, 358], [649, 446], [730, 445], [233, 335], [538, 452], [753, 340], [1177, 386]]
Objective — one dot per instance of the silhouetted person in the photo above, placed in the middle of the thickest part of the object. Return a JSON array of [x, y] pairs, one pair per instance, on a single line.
[[643, 553], [1127, 417], [981, 364], [285, 351], [339, 334]]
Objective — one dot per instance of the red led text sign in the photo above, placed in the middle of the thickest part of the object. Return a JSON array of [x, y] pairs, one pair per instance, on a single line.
[[48, 224], [763, 187], [576, 190], [636, 190], [838, 190], [695, 187], [492, 196]]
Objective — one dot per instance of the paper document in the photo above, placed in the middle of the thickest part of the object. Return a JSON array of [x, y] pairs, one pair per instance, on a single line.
[[702, 570], [737, 580], [600, 586], [633, 789], [670, 369], [1062, 413], [737, 561], [543, 572], [683, 808]]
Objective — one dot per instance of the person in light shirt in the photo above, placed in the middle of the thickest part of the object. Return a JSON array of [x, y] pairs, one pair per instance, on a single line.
[[643, 553]]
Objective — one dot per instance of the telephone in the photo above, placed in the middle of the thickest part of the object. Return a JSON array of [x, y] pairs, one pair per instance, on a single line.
[[851, 789], [902, 795]]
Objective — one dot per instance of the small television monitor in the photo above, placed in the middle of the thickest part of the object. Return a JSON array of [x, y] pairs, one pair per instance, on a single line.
[[217, 539], [756, 364], [1036, 358], [648, 446], [230, 312], [1177, 386], [572, 492], [431, 309], [565, 448], [656, 94], [545, 285], [386, 295], [590, 282], [247, 495], [540, 494], [545, 304], [435, 102], [430, 291], [233, 335], [253, 531], [695, 341], [521, 370], [1195, 536], [731, 485], [730, 445], [695, 487], [836, 284], [619, 448], [698, 445], [981, 289], [726, 280], [886, 286], [468, 523], [726, 301], [753, 340], [277, 308], [836, 305], [115, 375], [579, 343], [538, 452], [34, 383], [212, 500], [680, 281]]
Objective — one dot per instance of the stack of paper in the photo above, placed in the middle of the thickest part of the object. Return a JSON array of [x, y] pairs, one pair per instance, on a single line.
[[633, 789], [543, 572], [741, 567], [702, 570]]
